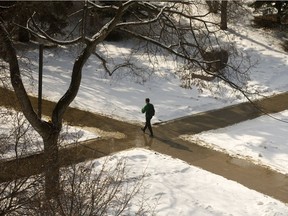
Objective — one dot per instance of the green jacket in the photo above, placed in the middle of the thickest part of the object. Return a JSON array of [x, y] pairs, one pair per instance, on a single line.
[[149, 110]]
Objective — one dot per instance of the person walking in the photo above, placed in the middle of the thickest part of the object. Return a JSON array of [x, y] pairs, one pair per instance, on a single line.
[[149, 111]]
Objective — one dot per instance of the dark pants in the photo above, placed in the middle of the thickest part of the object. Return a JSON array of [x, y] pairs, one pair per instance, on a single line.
[[148, 124]]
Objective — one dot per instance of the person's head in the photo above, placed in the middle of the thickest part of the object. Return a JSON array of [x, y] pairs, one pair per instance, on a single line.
[[147, 100]]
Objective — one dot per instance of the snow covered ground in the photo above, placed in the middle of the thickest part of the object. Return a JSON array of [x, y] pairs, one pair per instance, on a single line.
[[123, 97], [183, 189], [178, 188], [30, 142], [262, 140]]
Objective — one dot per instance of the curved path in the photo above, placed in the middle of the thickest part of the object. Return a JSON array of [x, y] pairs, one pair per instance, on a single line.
[[166, 141]]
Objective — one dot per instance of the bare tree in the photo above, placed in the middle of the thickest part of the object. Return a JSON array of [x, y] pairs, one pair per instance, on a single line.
[[177, 29]]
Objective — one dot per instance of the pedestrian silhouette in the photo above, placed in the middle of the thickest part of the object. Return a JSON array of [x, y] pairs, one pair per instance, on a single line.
[[149, 111]]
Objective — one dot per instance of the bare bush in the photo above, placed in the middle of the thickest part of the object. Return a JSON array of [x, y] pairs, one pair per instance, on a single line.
[[16, 136], [91, 190], [14, 142], [85, 190], [216, 59], [16, 194]]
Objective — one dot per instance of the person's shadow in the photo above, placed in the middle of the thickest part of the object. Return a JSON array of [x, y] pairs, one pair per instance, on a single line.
[[148, 142]]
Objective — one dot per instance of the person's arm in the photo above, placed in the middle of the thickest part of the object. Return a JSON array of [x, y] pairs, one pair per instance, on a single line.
[[144, 109]]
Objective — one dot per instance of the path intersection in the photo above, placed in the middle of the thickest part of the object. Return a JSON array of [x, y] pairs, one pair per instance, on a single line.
[[166, 141]]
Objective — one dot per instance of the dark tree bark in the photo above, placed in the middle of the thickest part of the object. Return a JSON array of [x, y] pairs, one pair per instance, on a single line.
[[223, 24], [213, 6], [23, 35], [51, 166]]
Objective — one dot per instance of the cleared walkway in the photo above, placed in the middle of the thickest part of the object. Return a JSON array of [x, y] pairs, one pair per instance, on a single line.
[[166, 141]]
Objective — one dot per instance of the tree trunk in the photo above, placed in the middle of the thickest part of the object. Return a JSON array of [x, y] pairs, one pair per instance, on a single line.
[[223, 24], [279, 9], [51, 166], [23, 34], [213, 6], [50, 131]]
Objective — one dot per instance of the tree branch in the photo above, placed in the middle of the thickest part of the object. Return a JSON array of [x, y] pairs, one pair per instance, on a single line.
[[142, 22], [165, 47], [104, 63], [45, 36], [72, 91], [18, 86]]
